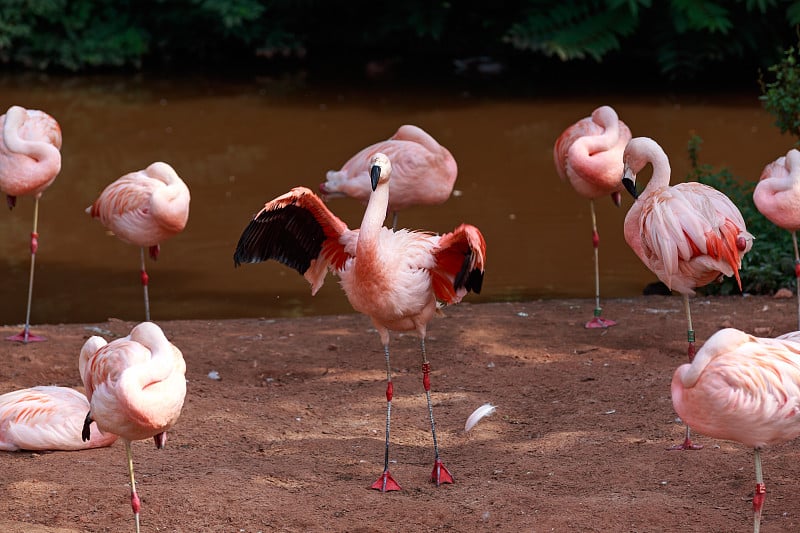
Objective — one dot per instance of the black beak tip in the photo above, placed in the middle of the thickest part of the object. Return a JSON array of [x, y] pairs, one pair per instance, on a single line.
[[374, 175], [630, 186]]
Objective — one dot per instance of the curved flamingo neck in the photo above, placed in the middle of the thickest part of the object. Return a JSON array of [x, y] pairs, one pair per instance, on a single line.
[[37, 150], [648, 151]]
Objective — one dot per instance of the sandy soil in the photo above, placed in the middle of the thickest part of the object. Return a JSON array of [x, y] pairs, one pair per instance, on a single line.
[[290, 437]]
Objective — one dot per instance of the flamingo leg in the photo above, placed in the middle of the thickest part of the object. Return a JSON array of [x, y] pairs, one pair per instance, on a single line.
[[386, 482], [797, 275], [136, 503], [760, 493], [440, 474], [145, 280], [25, 336], [687, 441], [597, 321], [394, 221]]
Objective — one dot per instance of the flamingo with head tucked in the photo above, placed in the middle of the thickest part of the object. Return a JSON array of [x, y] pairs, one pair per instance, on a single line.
[[47, 418], [588, 155], [30, 159], [777, 197], [745, 389], [688, 234], [423, 172], [136, 386], [395, 278], [144, 208]]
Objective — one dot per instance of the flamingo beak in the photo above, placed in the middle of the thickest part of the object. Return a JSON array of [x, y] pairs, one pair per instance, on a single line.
[[616, 197], [629, 182], [374, 175]]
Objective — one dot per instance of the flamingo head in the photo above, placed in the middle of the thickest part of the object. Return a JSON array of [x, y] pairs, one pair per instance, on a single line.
[[379, 169]]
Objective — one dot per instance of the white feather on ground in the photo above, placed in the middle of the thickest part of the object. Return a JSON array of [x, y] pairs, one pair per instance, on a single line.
[[484, 410]]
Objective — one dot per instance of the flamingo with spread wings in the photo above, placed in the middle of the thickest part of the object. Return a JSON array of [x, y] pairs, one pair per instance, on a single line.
[[777, 197], [745, 389], [588, 155], [423, 172], [47, 418], [688, 234], [395, 278], [136, 386], [144, 208], [30, 159]]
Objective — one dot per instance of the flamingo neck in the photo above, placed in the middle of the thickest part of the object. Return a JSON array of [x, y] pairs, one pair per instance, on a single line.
[[661, 171], [36, 150], [374, 215]]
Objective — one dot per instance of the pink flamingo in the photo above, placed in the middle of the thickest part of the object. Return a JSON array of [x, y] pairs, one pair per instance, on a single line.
[[144, 208], [46, 418], [688, 234], [30, 159], [588, 155], [424, 172], [136, 386], [395, 278], [744, 389], [777, 197]]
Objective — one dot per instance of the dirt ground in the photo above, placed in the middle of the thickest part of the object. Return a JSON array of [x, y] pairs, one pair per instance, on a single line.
[[290, 437]]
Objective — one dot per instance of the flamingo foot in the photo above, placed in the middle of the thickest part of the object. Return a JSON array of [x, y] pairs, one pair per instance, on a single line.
[[440, 474], [597, 323], [687, 445], [386, 483], [25, 336]]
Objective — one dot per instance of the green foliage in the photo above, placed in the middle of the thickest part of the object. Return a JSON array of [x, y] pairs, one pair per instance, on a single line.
[[781, 97], [574, 30], [769, 265]]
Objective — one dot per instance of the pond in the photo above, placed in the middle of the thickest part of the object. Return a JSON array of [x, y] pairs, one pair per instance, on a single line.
[[238, 144]]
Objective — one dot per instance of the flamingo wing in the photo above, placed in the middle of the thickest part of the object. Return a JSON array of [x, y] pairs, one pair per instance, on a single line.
[[298, 230], [459, 264], [692, 233], [46, 418]]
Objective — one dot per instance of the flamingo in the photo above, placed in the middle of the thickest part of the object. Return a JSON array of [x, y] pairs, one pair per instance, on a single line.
[[588, 155], [46, 418], [136, 386], [395, 278], [688, 234], [745, 389], [30, 159], [424, 172], [777, 197], [144, 208]]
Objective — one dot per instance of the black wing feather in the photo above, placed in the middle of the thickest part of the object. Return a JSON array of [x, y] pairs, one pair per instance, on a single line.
[[470, 280], [289, 234]]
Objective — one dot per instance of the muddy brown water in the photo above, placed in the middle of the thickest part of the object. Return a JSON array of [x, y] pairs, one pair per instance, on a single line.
[[240, 144]]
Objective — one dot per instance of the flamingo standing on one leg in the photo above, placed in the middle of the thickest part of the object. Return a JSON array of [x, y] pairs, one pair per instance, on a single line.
[[395, 278], [777, 197], [688, 234], [46, 418], [745, 389], [588, 155], [144, 208], [136, 386], [30, 159], [423, 172]]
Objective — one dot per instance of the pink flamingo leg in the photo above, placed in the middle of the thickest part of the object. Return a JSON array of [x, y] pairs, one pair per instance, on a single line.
[[440, 474], [145, 280], [760, 493], [687, 441], [386, 482], [136, 503], [25, 336], [597, 321]]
